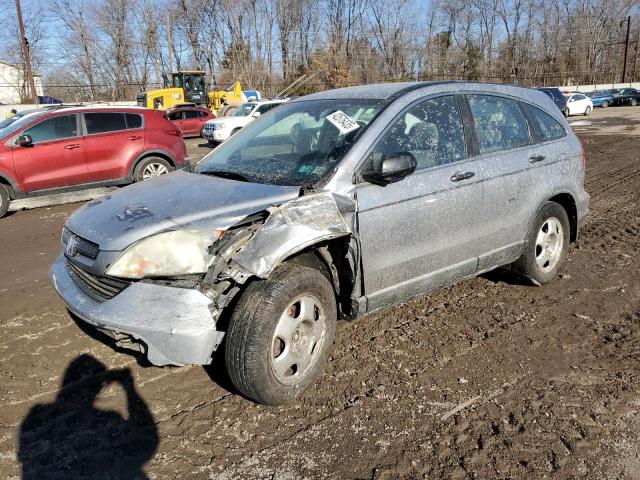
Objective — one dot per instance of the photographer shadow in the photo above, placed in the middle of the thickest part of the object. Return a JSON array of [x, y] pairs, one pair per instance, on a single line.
[[71, 438]]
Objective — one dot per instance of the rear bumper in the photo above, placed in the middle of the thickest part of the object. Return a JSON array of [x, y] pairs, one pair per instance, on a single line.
[[174, 325]]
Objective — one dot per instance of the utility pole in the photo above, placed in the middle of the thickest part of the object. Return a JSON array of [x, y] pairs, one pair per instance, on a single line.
[[25, 55], [170, 43], [626, 51]]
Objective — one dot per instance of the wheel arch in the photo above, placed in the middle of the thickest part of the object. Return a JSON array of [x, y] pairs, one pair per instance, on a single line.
[[567, 201], [10, 184], [152, 153]]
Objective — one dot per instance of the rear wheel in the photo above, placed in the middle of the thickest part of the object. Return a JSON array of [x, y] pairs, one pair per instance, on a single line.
[[587, 111], [280, 334], [605, 104], [151, 167], [4, 200], [547, 245]]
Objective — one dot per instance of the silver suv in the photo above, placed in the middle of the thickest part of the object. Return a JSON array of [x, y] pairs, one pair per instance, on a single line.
[[330, 206]]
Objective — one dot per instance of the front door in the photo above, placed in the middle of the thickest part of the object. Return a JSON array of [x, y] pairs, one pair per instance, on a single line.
[[422, 231], [55, 159]]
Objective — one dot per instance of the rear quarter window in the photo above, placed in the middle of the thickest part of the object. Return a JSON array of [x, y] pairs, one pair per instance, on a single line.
[[133, 120], [544, 126]]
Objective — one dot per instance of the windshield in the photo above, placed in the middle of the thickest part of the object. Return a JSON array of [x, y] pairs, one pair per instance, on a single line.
[[244, 109], [18, 124], [294, 144]]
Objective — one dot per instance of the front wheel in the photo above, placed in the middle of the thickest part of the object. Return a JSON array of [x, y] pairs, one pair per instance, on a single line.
[[605, 104], [4, 200], [151, 167], [280, 334], [633, 102], [547, 245], [587, 111]]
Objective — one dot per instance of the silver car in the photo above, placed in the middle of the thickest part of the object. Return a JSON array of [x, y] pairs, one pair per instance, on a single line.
[[330, 206]]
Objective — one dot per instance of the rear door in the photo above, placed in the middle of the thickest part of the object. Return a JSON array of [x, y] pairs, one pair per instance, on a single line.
[[57, 156], [506, 156], [112, 141], [191, 122], [177, 118], [422, 231]]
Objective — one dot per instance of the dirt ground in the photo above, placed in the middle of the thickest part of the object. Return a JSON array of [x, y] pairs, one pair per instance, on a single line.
[[490, 378]]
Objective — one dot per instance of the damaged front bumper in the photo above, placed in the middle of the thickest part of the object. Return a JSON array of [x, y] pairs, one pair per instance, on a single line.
[[174, 325]]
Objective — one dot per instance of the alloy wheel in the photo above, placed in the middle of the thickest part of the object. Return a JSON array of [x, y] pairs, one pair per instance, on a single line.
[[549, 244]]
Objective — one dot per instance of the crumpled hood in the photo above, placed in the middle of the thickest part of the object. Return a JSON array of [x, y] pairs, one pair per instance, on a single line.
[[171, 202]]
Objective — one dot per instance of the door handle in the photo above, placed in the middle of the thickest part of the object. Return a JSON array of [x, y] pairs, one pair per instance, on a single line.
[[135, 137], [71, 146], [458, 176], [536, 158]]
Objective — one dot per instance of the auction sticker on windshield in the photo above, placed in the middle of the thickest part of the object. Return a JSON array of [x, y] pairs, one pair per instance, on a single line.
[[343, 122]]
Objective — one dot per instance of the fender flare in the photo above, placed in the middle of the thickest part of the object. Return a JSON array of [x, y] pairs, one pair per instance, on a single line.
[[149, 153], [14, 191], [553, 194]]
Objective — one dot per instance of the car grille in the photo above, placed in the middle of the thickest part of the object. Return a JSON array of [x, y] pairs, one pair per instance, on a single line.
[[82, 246], [97, 287], [209, 127]]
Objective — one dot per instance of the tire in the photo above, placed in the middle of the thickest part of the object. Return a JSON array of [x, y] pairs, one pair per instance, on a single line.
[[633, 102], [4, 200], [273, 319], [587, 111], [545, 253], [147, 166], [604, 104], [234, 131]]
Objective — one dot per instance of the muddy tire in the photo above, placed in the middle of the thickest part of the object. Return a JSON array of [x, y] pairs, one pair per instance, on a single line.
[[151, 167], [4, 200], [547, 245], [280, 334]]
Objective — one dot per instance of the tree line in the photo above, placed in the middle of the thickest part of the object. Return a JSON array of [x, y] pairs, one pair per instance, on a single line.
[[111, 49]]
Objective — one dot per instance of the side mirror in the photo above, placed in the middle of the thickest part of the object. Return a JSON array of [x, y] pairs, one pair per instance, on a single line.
[[256, 114], [25, 141], [393, 168]]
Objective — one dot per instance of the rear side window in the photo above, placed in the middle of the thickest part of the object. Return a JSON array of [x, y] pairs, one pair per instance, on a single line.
[[175, 115], [544, 125], [102, 122], [190, 114], [133, 120], [54, 128], [499, 123]]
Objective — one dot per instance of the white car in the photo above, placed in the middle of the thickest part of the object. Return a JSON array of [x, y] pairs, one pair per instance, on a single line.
[[578, 104], [219, 129]]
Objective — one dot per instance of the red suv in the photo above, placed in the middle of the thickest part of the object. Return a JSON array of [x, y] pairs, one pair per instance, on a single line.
[[190, 120], [77, 148]]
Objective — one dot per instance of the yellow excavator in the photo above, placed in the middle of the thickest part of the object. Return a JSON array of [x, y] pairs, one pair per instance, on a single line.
[[189, 87]]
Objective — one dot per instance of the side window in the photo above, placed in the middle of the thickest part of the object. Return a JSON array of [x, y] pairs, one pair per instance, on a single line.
[[102, 122], [547, 127], [202, 114], [499, 123], [133, 120], [265, 108], [431, 131], [54, 128], [175, 115], [190, 114]]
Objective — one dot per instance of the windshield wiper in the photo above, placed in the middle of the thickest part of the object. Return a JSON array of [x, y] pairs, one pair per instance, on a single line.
[[226, 174]]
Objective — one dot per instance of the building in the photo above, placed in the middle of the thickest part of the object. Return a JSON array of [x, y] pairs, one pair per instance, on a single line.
[[13, 82]]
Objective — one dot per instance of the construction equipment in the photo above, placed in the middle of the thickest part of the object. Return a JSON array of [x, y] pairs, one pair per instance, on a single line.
[[189, 87]]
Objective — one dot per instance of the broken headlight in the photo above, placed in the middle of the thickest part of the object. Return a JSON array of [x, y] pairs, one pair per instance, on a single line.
[[179, 252]]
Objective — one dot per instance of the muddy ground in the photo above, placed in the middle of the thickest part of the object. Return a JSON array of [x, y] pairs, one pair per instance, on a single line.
[[487, 379]]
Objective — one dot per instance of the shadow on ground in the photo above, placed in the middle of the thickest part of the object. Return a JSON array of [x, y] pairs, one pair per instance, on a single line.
[[71, 438]]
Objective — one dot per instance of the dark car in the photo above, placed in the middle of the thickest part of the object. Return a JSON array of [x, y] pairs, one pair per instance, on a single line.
[[558, 98], [626, 96], [55, 151]]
